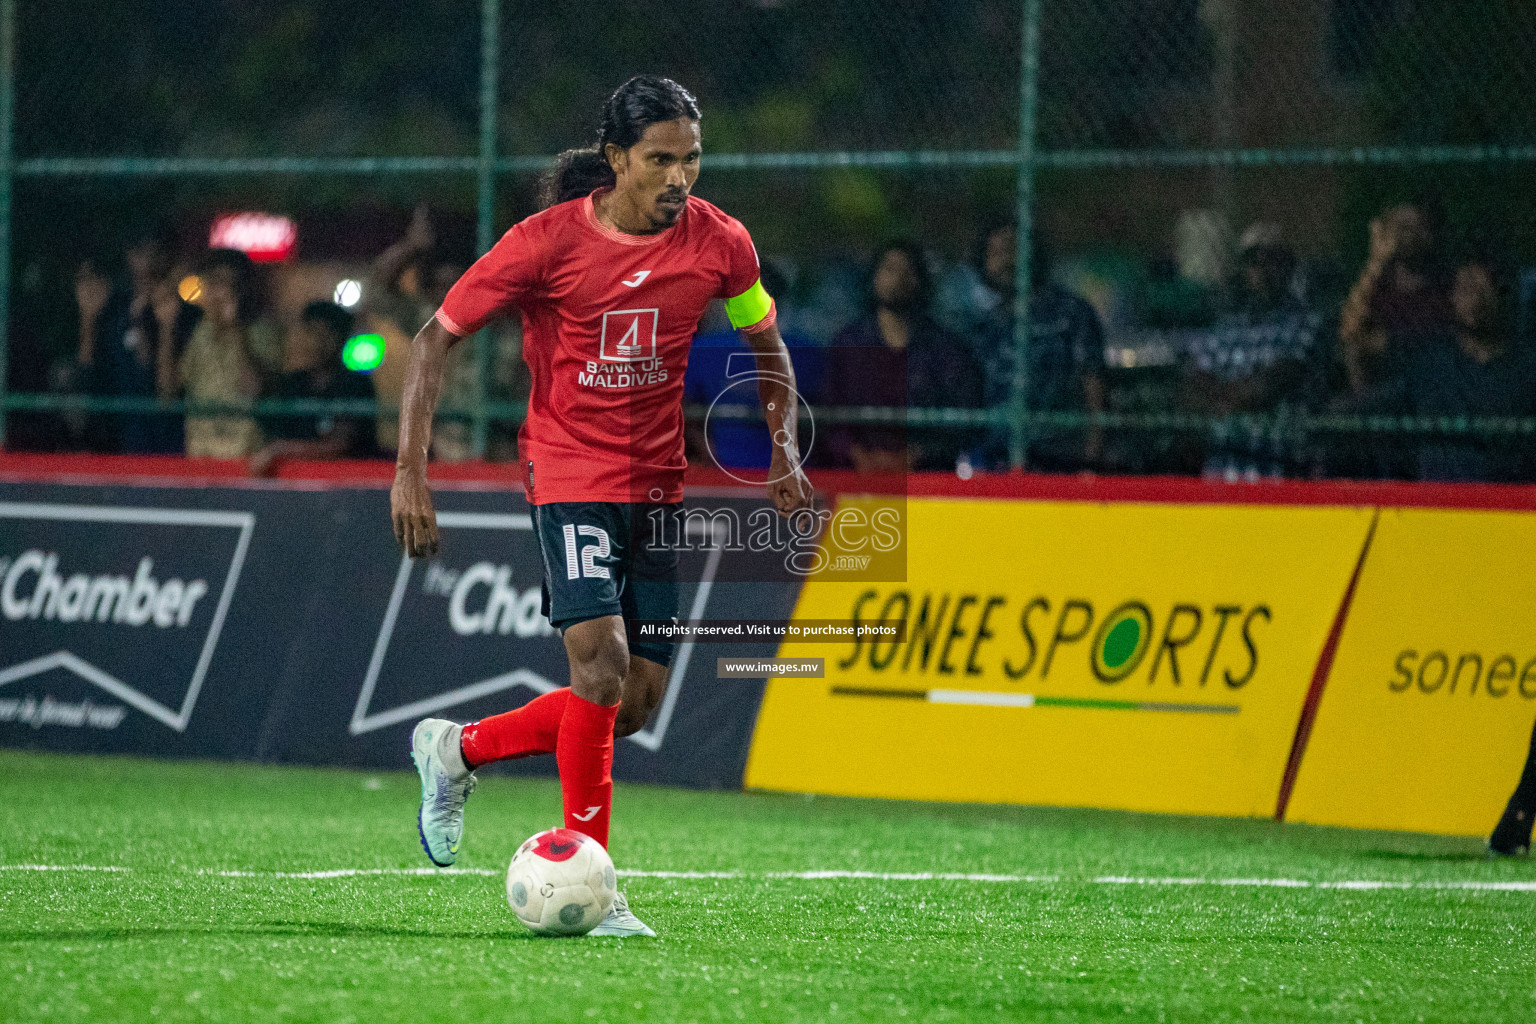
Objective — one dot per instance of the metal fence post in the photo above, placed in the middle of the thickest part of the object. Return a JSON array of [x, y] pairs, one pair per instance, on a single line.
[[1029, 81], [485, 228], [7, 163]]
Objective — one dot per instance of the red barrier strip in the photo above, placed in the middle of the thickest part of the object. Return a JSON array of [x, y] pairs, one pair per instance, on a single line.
[[174, 471], [1190, 490], [1320, 678]]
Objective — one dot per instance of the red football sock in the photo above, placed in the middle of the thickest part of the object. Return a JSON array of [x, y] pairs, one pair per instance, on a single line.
[[522, 732], [584, 752]]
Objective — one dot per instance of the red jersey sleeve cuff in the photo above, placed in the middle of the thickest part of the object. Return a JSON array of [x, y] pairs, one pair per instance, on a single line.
[[766, 322], [451, 326]]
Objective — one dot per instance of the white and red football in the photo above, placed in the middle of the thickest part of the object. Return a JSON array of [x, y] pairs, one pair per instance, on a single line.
[[561, 882]]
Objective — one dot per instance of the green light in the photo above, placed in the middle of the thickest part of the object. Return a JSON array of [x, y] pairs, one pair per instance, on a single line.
[[363, 352]]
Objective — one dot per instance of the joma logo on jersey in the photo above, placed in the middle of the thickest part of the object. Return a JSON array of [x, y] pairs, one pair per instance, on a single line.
[[629, 335]]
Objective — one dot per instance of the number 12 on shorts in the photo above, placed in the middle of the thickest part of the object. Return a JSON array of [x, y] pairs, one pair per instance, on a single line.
[[581, 561]]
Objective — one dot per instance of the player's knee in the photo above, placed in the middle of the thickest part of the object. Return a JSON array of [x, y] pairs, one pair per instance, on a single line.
[[599, 660], [599, 680]]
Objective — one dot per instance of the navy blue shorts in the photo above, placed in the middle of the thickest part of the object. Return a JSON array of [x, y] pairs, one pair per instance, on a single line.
[[606, 558]]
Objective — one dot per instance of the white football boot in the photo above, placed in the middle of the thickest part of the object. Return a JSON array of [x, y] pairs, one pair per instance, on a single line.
[[620, 923], [446, 783]]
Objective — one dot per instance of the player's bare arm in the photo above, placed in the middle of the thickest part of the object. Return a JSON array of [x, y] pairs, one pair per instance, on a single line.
[[410, 500], [788, 487]]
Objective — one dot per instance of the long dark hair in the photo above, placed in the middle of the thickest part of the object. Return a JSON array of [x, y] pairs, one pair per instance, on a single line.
[[634, 106]]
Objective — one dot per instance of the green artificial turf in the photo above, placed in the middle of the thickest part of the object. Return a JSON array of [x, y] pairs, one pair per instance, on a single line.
[[167, 940]]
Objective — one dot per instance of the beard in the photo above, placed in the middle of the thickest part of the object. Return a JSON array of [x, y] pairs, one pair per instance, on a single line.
[[668, 207]]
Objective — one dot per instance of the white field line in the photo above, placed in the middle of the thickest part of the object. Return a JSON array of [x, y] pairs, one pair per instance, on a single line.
[[1365, 885], [349, 872], [59, 867]]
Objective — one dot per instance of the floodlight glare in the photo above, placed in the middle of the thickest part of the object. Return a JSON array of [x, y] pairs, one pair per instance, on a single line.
[[348, 292]]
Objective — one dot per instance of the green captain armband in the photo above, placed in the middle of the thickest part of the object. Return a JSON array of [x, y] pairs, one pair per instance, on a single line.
[[749, 307]]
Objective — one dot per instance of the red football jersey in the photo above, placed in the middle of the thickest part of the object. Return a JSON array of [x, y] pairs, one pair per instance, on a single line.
[[608, 320]]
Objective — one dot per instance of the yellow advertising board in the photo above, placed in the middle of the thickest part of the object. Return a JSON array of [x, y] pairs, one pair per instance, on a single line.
[[1140, 656], [1426, 718]]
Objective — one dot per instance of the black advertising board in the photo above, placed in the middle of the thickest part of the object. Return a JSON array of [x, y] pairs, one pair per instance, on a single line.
[[283, 624]]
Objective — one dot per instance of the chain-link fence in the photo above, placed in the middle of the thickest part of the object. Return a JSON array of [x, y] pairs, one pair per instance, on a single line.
[[1155, 152]]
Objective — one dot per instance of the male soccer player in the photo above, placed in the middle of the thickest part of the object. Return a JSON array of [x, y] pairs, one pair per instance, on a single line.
[[611, 280]]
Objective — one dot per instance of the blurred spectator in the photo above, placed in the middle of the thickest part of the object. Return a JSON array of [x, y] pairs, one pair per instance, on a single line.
[[1400, 294], [226, 358], [964, 299], [718, 361], [810, 317], [1066, 361], [1253, 361], [406, 285], [835, 294], [895, 355], [1470, 369], [312, 369], [132, 333]]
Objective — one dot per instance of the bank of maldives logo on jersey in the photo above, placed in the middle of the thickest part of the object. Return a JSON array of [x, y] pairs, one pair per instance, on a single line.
[[629, 335]]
